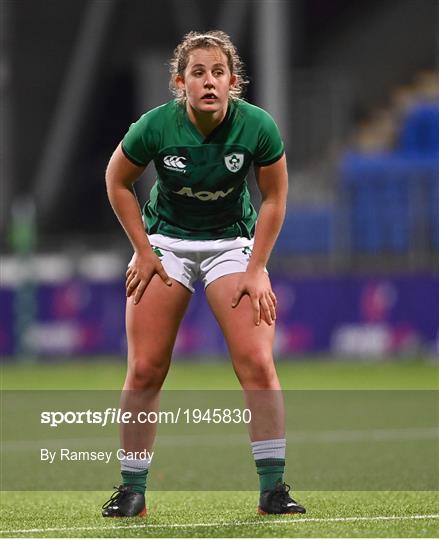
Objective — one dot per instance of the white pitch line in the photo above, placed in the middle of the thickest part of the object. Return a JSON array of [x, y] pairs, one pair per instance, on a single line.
[[263, 521]]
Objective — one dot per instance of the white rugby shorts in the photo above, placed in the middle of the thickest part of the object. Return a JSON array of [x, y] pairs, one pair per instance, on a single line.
[[186, 261]]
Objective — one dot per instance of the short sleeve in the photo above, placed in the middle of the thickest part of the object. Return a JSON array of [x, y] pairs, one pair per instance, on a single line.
[[137, 145], [270, 146]]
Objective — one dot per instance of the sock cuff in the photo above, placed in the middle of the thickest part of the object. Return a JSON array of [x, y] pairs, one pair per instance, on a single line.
[[270, 462], [134, 475], [269, 449], [134, 465]]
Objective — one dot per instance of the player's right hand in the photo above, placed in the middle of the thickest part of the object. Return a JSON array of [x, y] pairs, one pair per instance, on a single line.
[[141, 270]]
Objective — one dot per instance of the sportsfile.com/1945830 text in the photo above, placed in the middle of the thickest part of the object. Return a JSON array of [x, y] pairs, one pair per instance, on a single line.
[[113, 415]]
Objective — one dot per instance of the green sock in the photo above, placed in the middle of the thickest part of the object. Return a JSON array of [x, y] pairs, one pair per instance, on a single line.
[[137, 480], [270, 472]]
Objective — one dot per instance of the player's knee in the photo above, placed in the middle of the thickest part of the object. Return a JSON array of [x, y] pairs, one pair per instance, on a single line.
[[146, 374], [256, 369]]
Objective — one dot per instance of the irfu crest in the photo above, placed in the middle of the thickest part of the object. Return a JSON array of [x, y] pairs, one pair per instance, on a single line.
[[234, 162]]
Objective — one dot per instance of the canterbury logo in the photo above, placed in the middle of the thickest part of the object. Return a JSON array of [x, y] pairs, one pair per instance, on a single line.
[[174, 162]]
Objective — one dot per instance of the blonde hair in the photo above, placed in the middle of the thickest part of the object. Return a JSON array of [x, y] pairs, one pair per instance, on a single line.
[[207, 40]]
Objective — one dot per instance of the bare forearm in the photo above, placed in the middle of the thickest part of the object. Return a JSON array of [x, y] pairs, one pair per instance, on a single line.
[[127, 210], [271, 217]]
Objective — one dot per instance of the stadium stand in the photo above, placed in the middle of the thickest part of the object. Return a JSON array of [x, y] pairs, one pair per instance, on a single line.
[[390, 180], [307, 231], [420, 132]]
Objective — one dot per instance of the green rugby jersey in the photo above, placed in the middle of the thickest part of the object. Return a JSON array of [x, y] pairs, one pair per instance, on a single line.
[[201, 189]]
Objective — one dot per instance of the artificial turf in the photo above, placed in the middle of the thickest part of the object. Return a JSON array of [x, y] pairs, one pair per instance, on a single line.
[[307, 373], [222, 514], [197, 513]]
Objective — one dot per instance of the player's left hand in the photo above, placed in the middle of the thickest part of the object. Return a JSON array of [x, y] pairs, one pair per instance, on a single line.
[[256, 284]]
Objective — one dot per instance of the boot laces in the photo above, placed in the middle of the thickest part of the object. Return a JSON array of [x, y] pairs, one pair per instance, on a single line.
[[282, 493], [117, 496]]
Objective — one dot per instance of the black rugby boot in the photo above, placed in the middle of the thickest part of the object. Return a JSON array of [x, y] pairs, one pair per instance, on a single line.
[[278, 501], [124, 503]]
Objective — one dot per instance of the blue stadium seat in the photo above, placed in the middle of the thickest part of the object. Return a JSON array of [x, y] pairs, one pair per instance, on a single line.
[[390, 198], [306, 231], [420, 131], [434, 211]]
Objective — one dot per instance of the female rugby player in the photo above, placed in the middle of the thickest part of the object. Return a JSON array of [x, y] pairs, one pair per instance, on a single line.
[[199, 223]]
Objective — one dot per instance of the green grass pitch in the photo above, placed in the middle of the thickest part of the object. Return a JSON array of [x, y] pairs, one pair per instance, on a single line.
[[44, 514], [223, 514]]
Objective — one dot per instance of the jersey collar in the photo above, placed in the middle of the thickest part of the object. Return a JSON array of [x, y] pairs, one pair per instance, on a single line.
[[199, 136]]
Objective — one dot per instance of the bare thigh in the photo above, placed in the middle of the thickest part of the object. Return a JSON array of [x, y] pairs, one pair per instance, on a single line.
[[250, 347], [247, 343], [152, 326]]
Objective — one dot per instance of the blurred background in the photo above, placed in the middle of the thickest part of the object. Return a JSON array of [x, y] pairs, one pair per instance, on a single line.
[[354, 88]]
